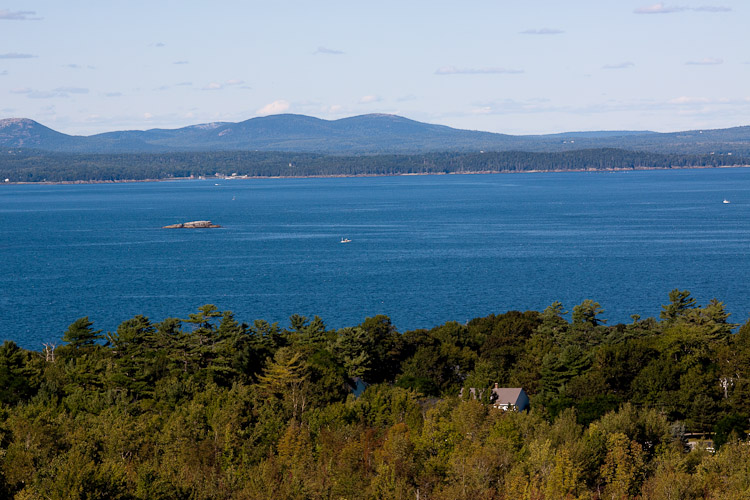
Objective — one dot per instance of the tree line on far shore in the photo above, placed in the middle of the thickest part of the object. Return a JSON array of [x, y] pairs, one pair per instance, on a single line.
[[212, 407], [36, 166]]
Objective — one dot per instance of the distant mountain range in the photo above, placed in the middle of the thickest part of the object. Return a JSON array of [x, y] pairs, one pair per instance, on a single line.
[[365, 134]]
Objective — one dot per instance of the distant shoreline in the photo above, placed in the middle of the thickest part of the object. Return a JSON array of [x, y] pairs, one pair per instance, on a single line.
[[407, 174]]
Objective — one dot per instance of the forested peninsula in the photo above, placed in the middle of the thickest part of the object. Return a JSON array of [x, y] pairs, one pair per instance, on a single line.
[[211, 407], [23, 165]]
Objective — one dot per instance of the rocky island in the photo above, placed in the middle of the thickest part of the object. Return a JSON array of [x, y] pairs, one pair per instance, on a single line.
[[196, 224]]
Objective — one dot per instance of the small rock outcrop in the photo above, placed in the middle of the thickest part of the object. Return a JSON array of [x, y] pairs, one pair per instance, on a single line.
[[196, 224]]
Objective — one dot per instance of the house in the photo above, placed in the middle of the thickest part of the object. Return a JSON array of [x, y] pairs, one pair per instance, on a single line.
[[502, 398], [509, 398]]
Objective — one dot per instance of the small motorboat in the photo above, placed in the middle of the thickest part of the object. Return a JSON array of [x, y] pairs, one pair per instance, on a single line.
[[345, 240], [726, 201]]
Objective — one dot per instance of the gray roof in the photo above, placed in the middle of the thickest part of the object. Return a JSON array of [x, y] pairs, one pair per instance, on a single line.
[[507, 395]]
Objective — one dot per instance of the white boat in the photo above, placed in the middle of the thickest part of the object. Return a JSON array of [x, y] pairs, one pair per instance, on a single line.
[[345, 240], [726, 201]]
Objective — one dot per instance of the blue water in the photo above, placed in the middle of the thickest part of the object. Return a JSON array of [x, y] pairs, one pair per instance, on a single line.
[[424, 250]]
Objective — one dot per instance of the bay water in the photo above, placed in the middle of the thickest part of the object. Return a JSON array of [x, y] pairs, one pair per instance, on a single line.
[[424, 249]]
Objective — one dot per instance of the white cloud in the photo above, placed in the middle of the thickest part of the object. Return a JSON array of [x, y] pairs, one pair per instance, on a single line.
[[181, 62], [3, 72], [660, 8], [213, 86], [147, 116], [183, 84], [332, 52], [452, 70], [689, 100], [274, 108], [234, 81], [19, 15], [113, 94], [542, 31], [367, 99], [621, 65], [720, 101], [16, 55], [23, 90], [706, 61]]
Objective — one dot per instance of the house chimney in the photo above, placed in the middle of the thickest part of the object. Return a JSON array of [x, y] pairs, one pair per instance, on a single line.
[[496, 385]]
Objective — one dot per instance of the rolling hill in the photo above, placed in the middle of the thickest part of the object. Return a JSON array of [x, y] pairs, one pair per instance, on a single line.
[[365, 134]]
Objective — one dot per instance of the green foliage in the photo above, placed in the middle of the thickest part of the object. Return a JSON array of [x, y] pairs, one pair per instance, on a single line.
[[732, 427], [680, 302], [587, 312], [211, 407], [15, 376], [37, 166], [80, 335]]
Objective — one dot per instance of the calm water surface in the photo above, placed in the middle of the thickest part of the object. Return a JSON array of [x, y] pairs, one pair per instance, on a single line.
[[424, 250]]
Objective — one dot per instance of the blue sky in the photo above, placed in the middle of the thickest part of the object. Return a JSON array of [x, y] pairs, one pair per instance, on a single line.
[[496, 65]]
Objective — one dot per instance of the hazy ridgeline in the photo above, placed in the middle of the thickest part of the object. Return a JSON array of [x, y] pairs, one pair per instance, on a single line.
[[209, 407]]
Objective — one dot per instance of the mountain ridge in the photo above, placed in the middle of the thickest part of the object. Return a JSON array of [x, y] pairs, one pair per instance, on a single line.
[[361, 134]]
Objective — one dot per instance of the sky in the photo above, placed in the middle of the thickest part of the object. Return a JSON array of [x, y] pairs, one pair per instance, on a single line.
[[531, 67]]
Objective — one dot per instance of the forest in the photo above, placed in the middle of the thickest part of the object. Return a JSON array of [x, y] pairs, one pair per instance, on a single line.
[[211, 407], [21, 165]]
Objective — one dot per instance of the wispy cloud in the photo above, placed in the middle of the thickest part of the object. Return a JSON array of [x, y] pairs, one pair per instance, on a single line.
[[689, 100], [452, 70], [274, 108], [159, 44], [368, 99], [708, 8], [72, 90], [325, 50], [542, 31], [3, 72], [622, 65], [513, 106], [49, 94], [181, 62], [78, 66], [18, 15], [16, 55], [707, 61], [407, 98], [113, 94], [45, 94], [183, 84], [661, 8], [218, 85]]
